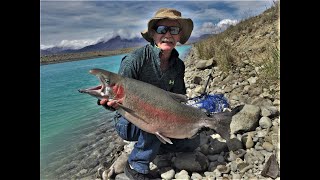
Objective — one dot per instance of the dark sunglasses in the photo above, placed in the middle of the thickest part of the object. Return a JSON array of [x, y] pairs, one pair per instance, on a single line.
[[174, 30]]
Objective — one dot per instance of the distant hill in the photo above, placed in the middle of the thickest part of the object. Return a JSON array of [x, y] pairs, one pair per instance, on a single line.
[[113, 44], [110, 45]]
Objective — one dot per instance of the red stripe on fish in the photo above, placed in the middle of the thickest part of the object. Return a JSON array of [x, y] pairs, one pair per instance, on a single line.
[[160, 113]]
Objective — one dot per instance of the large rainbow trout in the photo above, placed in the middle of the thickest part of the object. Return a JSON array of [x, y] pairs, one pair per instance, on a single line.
[[155, 110]]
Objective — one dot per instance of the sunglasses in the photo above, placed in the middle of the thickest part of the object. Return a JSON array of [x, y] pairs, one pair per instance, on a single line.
[[174, 30]]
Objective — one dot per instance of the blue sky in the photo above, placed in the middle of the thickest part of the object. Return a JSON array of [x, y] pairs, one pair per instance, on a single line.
[[79, 23]]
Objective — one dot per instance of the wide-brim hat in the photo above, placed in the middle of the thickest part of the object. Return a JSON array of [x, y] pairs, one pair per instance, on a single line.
[[169, 13]]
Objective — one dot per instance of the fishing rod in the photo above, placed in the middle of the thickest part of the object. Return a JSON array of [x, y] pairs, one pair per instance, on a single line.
[[208, 80]]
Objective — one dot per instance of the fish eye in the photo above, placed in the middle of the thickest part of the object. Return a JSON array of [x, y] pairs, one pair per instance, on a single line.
[[107, 81]]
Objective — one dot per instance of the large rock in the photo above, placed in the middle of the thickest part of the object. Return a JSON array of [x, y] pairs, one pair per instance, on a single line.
[[216, 147], [247, 119], [199, 161], [234, 144], [205, 64], [271, 168], [118, 166]]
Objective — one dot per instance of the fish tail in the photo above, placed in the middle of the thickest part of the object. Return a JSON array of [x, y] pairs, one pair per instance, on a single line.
[[220, 122]]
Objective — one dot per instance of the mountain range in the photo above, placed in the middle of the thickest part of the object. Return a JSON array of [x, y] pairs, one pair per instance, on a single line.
[[112, 44]]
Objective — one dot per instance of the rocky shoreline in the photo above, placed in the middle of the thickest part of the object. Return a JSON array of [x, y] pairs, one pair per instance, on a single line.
[[254, 151]]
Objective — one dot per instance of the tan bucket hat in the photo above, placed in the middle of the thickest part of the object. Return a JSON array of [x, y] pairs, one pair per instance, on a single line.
[[169, 13]]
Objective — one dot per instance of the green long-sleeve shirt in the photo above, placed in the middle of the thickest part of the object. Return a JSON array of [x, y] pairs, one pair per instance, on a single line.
[[144, 64]]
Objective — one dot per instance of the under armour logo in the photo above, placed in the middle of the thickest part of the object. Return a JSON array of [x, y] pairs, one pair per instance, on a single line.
[[171, 82]]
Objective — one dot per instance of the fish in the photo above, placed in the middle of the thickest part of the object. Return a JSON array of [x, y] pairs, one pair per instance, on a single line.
[[155, 110]]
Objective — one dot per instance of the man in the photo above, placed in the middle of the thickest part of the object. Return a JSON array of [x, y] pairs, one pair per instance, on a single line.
[[158, 64]]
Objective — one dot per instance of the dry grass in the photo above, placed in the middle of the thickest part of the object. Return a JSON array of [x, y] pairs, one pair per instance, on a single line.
[[270, 69], [251, 40], [224, 57]]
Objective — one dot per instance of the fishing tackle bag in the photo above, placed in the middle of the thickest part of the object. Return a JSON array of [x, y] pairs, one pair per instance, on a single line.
[[209, 103]]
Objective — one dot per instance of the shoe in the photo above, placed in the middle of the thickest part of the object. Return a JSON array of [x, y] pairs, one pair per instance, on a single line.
[[132, 174]]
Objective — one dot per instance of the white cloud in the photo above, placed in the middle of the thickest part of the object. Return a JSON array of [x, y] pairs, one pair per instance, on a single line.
[[42, 46], [207, 28], [211, 28], [77, 44], [77, 24], [71, 44], [124, 34], [226, 23]]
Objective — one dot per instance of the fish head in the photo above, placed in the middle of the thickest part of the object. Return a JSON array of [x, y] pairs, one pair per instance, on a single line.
[[108, 87]]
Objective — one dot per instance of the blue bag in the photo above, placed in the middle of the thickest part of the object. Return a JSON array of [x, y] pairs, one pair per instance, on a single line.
[[209, 103]]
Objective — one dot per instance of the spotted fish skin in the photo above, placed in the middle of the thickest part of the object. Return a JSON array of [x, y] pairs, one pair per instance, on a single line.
[[155, 110]]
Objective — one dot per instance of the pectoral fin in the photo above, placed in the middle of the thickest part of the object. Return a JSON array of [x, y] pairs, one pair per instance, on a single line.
[[131, 112], [162, 138], [125, 108]]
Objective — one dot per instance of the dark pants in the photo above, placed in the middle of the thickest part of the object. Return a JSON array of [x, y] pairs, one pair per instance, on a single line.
[[148, 145]]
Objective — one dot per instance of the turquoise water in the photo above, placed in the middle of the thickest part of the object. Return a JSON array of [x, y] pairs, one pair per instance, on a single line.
[[66, 116]]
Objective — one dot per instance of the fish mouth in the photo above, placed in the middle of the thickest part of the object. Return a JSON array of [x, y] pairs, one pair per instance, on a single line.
[[95, 88], [100, 91]]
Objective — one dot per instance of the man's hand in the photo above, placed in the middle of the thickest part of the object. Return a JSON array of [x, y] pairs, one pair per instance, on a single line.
[[110, 105]]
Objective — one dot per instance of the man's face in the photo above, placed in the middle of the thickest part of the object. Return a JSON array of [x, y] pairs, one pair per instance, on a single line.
[[166, 41]]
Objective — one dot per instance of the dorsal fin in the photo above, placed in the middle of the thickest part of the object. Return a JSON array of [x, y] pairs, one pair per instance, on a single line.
[[178, 97]]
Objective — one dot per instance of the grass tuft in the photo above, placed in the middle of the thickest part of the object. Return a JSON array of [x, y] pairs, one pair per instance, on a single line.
[[270, 68]]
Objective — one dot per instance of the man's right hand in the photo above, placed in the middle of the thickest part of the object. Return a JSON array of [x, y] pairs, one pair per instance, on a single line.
[[110, 105], [105, 103]]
